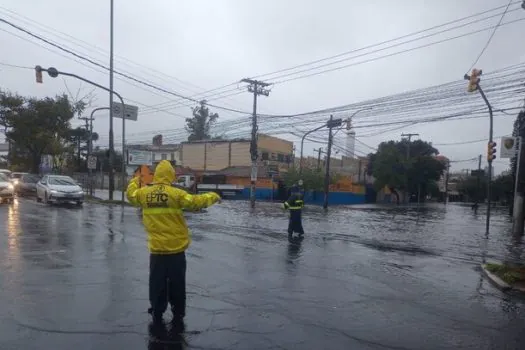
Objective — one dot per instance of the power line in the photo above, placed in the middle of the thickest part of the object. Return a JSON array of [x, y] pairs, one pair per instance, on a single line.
[[127, 76], [14, 66], [385, 42], [391, 54], [490, 37], [375, 45]]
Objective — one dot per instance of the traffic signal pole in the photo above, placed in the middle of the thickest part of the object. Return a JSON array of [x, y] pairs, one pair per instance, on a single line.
[[474, 86], [489, 172]]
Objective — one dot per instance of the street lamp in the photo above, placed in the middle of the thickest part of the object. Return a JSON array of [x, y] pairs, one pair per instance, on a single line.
[[53, 73], [302, 145], [90, 145]]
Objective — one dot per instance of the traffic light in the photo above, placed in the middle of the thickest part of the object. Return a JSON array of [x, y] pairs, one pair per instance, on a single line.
[[38, 72], [491, 151], [474, 80]]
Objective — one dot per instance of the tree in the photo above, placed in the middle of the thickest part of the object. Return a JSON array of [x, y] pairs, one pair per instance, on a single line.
[[79, 138], [313, 179], [416, 175], [33, 125], [200, 124]]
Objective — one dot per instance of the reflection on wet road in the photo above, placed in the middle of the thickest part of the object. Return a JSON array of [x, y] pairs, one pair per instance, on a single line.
[[363, 278]]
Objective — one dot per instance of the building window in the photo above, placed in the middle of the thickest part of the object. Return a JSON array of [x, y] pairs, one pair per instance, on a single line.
[[153, 156], [288, 159], [164, 156], [172, 156], [265, 156], [280, 157]]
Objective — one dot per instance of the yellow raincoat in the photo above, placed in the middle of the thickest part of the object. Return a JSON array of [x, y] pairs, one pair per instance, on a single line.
[[162, 207]]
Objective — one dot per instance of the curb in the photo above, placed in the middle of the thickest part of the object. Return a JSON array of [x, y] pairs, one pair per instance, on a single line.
[[496, 281], [107, 201]]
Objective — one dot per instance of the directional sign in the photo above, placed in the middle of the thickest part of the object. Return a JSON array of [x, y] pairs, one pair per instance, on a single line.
[[92, 162], [130, 112]]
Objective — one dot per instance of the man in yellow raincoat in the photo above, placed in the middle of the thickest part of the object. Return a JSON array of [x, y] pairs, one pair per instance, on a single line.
[[168, 237]]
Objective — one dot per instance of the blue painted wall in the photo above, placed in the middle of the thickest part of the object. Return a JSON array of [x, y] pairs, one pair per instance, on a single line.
[[310, 197]]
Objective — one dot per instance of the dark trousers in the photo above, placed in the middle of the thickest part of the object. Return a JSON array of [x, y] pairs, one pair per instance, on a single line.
[[167, 282], [295, 224]]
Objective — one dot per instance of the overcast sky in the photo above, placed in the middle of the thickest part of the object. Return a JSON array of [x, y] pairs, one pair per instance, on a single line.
[[199, 45]]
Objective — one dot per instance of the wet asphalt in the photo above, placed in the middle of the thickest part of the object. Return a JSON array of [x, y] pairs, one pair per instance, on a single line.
[[365, 277]]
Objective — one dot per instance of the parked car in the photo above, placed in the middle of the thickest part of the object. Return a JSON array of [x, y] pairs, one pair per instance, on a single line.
[[5, 171], [7, 190], [15, 177], [59, 189], [26, 185]]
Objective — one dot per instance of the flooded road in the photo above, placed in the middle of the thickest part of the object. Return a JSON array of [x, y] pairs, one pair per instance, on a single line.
[[364, 277]]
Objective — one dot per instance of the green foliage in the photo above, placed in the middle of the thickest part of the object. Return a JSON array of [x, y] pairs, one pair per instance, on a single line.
[[32, 125], [313, 178], [200, 124], [508, 274], [502, 188], [390, 166]]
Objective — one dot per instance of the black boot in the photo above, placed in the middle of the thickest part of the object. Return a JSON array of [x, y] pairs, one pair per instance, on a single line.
[[177, 324]]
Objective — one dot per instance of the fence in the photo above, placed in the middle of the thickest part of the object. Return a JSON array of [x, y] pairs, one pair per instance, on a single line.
[[99, 181]]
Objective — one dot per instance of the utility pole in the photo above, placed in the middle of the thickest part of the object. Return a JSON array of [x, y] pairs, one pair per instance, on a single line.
[[257, 88], [319, 151], [111, 142], [446, 182], [332, 123], [409, 137]]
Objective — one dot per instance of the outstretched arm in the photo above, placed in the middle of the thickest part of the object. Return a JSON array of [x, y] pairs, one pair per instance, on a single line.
[[133, 191], [199, 201]]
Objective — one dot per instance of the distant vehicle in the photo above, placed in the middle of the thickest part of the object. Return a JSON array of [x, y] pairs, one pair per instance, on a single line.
[[5, 171], [15, 177], [186, 181], [26, 185], [59, 189], [7, 190]]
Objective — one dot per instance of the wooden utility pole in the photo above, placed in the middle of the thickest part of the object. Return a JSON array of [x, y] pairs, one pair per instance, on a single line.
[[409, 137], [257, 88]]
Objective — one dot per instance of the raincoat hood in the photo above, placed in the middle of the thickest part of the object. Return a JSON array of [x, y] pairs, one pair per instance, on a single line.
[[164, 173]]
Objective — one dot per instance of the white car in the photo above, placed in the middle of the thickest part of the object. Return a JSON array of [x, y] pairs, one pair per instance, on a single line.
[[7, 190], [59, 189]]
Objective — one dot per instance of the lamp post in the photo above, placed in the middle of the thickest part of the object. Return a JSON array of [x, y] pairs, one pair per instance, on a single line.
[[90, 145], [53, 73]]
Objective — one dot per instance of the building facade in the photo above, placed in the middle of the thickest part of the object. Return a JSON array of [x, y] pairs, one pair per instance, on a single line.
[[214, 155]]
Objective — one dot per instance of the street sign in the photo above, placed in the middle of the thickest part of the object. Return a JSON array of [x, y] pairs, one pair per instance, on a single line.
[[508, 147], [130, 112], [138, 157], [92, 162]]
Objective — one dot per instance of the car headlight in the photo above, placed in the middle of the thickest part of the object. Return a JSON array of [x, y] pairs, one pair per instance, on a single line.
[[53, 192], [11, 187], [80, 192], [15, 182]]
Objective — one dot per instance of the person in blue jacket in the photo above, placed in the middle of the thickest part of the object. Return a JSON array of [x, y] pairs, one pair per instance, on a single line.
[[295, 205]]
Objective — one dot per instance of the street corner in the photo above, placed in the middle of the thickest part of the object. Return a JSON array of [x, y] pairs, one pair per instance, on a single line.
[[507, 278]]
